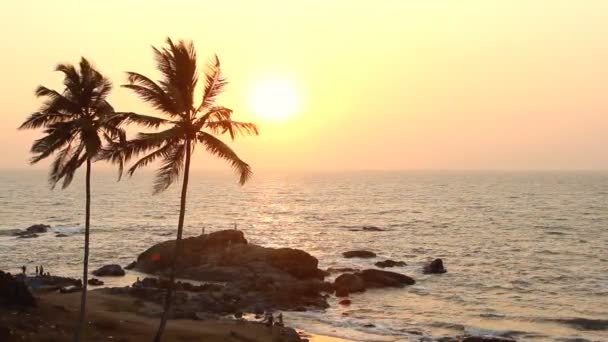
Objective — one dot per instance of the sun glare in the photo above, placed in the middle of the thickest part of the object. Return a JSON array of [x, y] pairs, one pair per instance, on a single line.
[[274, 100]]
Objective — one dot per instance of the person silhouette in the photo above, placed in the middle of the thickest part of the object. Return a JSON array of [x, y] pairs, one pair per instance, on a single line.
[[23, 269], [36, 271]]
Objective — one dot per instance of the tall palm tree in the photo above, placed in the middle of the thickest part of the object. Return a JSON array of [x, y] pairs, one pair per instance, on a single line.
[[190, 125], [76, 122]]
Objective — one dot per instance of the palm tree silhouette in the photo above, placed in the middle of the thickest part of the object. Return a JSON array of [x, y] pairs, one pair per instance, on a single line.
[[76, 122], [191, 125]]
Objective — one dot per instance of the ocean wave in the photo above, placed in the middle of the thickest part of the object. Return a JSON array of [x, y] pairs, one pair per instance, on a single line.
[[67, 230]]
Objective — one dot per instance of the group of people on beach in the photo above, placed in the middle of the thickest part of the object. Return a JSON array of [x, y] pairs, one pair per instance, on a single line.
[[39, 271]]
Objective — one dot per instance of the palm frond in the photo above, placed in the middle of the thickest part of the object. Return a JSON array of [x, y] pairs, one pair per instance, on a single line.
[[214, 84], [221, 150], [234, 128], [161, 152], [38, 119], [140, 119], [173, 163], [56, 102], [151, 92], [177, 64]]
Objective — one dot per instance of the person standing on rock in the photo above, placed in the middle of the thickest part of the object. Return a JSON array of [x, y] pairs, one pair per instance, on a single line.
[[41, 270], [23, 269], [36, 271]]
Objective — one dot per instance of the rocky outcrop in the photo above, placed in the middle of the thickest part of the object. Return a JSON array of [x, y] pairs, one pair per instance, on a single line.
[[358, 282], [359, 254], [14, 292], [109, 271], [263, 277], [434, 267], [390, 263]]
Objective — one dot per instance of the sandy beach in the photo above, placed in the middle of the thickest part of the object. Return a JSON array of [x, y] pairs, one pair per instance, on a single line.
[[119, 318]]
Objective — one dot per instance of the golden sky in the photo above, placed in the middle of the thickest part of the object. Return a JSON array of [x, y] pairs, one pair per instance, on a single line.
[[478, 84]]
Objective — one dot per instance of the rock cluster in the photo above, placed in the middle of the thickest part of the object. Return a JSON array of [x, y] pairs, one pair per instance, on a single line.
[[32, 231], [257, 278]]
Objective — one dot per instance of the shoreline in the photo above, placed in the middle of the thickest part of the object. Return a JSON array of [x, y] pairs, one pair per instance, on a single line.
[[128, 319]]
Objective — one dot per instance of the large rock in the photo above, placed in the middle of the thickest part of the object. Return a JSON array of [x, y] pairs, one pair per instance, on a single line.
[[360, 281], [296, 262], [378, 278], [348, 283], [390, 263], [434, 267], [109, 271], [283, 278], [359, 254], [193, 250], [14, 292]]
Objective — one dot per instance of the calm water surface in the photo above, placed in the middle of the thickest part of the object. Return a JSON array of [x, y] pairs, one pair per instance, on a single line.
[[527, 253]]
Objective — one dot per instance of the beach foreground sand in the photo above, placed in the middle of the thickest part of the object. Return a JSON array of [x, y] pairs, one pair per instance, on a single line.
[[118, 318]]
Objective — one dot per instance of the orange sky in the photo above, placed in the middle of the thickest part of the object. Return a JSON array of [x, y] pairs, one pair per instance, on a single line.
[[477, 84]]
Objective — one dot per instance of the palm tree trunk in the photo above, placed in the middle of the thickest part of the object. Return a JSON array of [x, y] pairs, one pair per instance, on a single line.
[[85, 266], [178, 248]]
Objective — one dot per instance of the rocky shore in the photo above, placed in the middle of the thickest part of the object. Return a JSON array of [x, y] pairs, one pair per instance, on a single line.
[[229, 277]]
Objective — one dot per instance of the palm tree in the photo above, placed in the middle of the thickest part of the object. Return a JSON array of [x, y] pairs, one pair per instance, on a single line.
[[76, 122], [190, 125]]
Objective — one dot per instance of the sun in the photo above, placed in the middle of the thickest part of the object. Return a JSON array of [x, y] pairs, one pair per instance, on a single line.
[[274, 99]]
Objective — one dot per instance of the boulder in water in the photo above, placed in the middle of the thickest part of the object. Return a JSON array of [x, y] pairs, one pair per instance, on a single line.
[[95, 282], [434, 267], [378, 278], [13, 291], [109, 271], [390, 263], [31, 231], [347, 283], [359, 254], [372, 229]]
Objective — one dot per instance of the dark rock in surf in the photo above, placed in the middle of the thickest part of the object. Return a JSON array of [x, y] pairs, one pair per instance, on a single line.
[[378, 278], [371, 229], [14, 292], [131, 265], [345, 302], [348, 283], [390, 263], [95, 282], [359, 254], [358, 282], [109, 271], [434, 267], [33, 231]]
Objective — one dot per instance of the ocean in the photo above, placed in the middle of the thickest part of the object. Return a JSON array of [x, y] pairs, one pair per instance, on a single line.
[[526, 252]]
